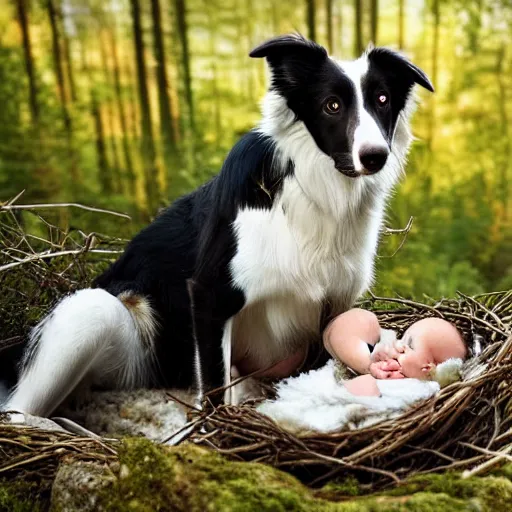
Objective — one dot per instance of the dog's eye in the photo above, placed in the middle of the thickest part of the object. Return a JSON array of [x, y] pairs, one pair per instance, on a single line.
[[332, 106], [382, 99]]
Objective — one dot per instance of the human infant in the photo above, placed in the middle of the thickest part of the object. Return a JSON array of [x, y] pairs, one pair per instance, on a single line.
[[354, 338]]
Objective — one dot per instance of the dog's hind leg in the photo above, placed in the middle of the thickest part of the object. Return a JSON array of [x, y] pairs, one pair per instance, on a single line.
[[90, 334]]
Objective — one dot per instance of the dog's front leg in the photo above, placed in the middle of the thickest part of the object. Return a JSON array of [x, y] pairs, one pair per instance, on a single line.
[[213, 301], [207, 331]]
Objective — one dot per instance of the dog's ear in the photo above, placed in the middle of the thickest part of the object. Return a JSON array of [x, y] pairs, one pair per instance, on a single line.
[[399, 66], [291, 46], [292, 59]]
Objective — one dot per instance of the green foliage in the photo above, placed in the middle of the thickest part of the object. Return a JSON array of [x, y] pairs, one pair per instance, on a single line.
[[459, 176]]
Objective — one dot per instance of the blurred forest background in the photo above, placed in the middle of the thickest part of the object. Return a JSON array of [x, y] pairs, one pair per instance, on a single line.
[[127, 104]]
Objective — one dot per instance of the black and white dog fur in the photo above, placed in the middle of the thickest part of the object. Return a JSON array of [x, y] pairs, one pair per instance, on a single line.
[[244, 267]]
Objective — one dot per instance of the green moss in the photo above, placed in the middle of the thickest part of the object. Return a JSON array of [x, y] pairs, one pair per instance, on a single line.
[[152, 477], [491, 493], [340, 489], [348, 493], [192, 478], [420, 502], [505, 471], [18, 497]]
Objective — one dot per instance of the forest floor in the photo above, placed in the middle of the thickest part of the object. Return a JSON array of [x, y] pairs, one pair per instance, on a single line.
[[148, 477]]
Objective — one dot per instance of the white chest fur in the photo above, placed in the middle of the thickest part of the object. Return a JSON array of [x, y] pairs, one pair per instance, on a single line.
[[317, 243], [293, 258]]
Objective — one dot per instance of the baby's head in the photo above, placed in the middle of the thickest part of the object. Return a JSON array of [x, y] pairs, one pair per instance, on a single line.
[[427, 343]]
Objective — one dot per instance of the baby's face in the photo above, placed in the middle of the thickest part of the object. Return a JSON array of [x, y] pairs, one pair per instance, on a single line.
[[427, 343], [417, 361]]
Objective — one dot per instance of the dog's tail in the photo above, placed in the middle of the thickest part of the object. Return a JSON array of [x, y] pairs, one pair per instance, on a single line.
[[142, 314], [90, 333]]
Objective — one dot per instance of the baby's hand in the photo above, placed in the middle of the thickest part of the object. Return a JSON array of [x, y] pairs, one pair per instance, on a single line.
[[386, 369], [387, 349]]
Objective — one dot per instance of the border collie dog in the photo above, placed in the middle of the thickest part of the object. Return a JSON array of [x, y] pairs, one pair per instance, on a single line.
[[246, 268]]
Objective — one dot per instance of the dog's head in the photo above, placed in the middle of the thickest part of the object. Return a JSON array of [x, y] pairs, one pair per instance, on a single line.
[[351, 109]]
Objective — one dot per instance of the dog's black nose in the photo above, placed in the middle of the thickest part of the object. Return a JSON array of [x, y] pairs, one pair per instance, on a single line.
[[373, 158]]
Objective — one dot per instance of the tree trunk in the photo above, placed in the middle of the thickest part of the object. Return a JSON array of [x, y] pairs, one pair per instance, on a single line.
[[435, 45], [374, 20], [504, 118], [122, 112], [57, 61], [339, 28], [275, 18], [329, 22], [250, 42], [166, 123], [181, 20], [212, 9], [104, 177], [435, 53], [358, 29], [135, 121], [401, 24], [241, 54], [69, 67], [148, 146], [310, 9], [110, 115], [29, 62]]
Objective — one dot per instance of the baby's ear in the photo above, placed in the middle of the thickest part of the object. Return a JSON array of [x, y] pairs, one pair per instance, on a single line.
[[427, 368]]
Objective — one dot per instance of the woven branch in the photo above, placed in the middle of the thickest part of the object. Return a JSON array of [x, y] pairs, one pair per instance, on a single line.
[[35, 454], [468, 424]]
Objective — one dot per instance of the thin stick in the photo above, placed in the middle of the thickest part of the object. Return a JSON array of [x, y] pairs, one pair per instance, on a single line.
[[406, 230], [182, 402], [24, 462], [37, 257], [406, 302], [10, 207], [391, 231], [488, 464]]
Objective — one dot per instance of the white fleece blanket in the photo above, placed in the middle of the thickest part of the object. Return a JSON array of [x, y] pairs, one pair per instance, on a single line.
[[318, 402]]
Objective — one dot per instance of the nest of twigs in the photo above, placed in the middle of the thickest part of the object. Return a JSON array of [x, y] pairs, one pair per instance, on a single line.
[[467, 426], [40, 261], [34, 454]]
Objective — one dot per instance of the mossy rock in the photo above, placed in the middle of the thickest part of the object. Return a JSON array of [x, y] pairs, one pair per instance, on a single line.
[[188, 478], [488, 494]]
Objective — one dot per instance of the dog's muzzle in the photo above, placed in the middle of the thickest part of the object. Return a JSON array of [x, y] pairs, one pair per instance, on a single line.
[[343, 163], [373, 158]]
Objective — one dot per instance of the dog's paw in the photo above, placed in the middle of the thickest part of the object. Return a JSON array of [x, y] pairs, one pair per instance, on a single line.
[[15, 418], [28, 420], [248, 389]]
